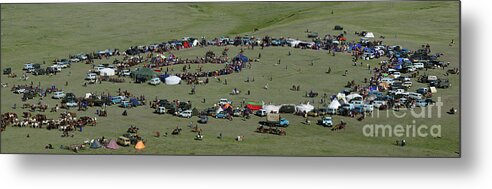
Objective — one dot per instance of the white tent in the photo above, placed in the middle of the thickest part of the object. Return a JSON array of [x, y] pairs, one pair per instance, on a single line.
[[369, 35], [353, 96], [333, 107], [172, 80], [334, 104], [195, 43], [107, 72], [271, 108], [305, 107]]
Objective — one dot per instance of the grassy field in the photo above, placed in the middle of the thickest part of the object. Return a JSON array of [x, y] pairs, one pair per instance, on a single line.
[[43, 32]]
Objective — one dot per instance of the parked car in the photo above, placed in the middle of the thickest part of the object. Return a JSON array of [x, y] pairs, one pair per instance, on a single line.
[[160, 110], [203, 119], [56, 68], [59, 95], [419, 65], [39, 71], [20, 91], [237, 112], [407, 84], [155, 81], [378, 103], [397, 92], [443, 83], [415, 96], [28, 66], [421, 103], [116, 99], [422, 90], [185, 114], [261, 113], [91, 76], [63, 63], [224, 101], [7, 71], [221, 115], [125, 72], [326, 122], [313, 35], [123, 141], [387, 80]]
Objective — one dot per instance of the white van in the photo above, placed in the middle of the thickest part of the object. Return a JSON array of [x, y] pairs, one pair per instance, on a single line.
[[416, 96], [419, 65]]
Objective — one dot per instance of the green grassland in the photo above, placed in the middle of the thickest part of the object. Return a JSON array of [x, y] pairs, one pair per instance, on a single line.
[[43, 32]]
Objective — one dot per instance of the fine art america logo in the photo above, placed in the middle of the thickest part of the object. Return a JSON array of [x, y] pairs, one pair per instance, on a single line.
[[407, 130]]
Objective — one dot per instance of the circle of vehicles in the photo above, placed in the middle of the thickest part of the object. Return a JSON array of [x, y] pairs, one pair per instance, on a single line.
[[398, 85]]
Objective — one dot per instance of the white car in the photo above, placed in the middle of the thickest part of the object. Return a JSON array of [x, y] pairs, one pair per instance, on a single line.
[[59, 95], [72, 104], [56, 68], [125, 72], [396, 74], [419, 65], [28, 66], [155, 81], [20, 91], [378, 103], [224, 101], [397, 92], [411, 68], [416, 96], [90, 76], [387, 80], [185, 114], [74, 60], [407, 84]]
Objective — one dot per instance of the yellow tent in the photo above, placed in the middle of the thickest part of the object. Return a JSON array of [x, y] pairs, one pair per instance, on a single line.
[[140, 145]]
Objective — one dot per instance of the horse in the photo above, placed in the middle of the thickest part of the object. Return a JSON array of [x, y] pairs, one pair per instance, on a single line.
[[176, 131], [339, 127], [239, 138]]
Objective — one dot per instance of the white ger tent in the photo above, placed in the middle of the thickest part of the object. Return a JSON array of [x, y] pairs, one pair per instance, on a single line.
[[304, 107], [107, 72], [353, 96], [369, 35], [271, 108], [173, 80], [333, 107]]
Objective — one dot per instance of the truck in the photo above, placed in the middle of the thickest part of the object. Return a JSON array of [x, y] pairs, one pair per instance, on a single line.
[[274, 120]]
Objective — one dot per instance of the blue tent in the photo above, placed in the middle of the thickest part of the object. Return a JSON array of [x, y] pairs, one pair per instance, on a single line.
[[134, 102], [96, 144], [241, 57], [163, 77]]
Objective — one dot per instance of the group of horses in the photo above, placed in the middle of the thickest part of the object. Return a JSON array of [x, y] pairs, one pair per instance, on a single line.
[[271, 130], [68, 121], [33, 107]]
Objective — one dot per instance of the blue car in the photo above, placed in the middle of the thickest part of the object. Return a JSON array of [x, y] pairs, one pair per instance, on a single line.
[[116, 99], [421, 103], [221, 115]]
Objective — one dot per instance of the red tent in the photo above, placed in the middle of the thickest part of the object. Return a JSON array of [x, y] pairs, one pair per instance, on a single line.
[[186, 44], [254, 105]]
